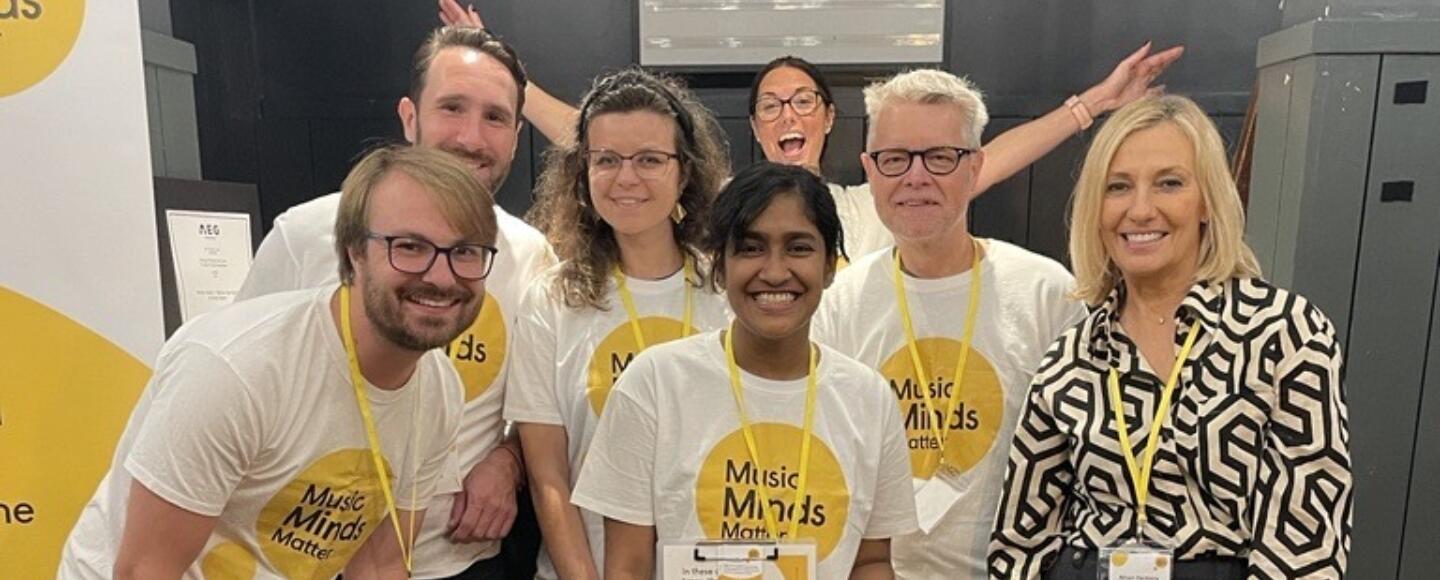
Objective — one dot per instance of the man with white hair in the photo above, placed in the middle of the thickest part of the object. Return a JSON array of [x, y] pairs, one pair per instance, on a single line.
[[956, 324]]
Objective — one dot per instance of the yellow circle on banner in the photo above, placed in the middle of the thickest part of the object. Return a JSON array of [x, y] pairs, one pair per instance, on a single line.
[[727, 498], [65, 395], [978, 414], [618, 348], [479, 352], [35, 37], [228, 560], [313, 526], [1118, 559]]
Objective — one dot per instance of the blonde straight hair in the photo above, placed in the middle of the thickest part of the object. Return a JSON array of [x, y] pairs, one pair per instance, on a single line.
[[465, 203], [1223, 252]]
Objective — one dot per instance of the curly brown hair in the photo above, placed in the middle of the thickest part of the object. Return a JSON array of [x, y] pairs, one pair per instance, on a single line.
[[584, 243]]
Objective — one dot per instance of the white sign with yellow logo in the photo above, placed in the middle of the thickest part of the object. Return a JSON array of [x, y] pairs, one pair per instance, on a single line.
[[79, 289]]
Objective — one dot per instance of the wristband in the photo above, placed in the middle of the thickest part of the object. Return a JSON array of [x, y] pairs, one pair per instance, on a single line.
[[1080, 112]]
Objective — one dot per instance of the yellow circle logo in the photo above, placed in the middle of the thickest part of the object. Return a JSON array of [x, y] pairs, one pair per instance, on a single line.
[[616, 351], [727, 497], [479, 352], [313, 526], [977, 416], [60, 418], [35, 37]]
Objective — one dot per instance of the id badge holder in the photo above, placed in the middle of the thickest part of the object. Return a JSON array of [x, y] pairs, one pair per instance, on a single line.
[[1136, 560], [935, 497], [738, 560]]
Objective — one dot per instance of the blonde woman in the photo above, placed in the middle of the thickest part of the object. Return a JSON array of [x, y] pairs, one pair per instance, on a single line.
[[1196, 415]]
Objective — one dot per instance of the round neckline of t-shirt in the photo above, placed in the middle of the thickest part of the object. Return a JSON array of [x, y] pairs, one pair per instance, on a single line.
[[647, 286], [716, 347], [336, 345], [932, 285]]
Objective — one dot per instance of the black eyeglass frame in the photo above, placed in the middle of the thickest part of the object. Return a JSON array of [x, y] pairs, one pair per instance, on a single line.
[[435, 252], [819, 101], [911, 154]]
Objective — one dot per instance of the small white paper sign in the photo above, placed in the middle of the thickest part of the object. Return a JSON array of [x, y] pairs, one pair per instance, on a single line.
[[211, 255], [737, 560]]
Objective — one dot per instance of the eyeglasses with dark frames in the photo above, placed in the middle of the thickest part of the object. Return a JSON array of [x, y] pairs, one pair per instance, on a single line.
[[937, 160], [413, 255], [804, 102]]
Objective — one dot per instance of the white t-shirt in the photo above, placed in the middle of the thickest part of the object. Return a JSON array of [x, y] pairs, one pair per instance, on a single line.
[[251, 417], [670, 453], [864, 232], [300, 253], [568, 359], [1024, 305]]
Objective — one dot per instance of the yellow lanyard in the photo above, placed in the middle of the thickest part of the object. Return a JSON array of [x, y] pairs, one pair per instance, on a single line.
[[738, 389], [635, 315], [942, 431], [406, 552], [1140, 474]]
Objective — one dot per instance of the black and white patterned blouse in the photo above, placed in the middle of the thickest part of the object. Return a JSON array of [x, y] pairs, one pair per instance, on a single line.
[[1254, 456]]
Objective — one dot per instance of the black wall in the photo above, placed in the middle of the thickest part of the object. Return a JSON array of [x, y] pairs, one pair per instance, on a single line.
[[289, 92]]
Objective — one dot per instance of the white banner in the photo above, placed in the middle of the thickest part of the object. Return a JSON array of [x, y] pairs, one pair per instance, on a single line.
[[79, 278]]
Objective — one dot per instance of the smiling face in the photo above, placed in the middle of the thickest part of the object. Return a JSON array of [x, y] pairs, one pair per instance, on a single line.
[[632, 204], [792, 139], [775, 274], [415, 312], [1153, 212], [467, 108], [918, 205]]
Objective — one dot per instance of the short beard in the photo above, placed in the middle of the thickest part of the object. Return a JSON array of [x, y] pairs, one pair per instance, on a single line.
[[384, 312]]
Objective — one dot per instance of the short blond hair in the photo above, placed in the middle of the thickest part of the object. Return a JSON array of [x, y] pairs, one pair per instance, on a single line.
[[1223, 251], [465, 202], [929, 87]]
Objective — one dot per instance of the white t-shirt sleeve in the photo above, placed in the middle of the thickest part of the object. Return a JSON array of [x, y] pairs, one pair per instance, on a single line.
[[893, 514], [530, 390], [822, 324], [275, 268], [201, 433], [1059, 311], [618, 477]]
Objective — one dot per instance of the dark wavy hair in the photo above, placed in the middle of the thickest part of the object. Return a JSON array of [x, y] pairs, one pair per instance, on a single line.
[[746, 197], [821, 86], [584, 243]]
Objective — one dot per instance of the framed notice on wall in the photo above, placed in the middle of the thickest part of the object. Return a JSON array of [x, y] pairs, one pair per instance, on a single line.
[[705, 33]]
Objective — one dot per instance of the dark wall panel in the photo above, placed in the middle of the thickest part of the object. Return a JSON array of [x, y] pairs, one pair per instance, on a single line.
[[290, 92], [1001, 212]]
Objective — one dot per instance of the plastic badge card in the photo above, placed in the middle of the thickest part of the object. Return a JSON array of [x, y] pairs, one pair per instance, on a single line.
[[1136, 561], [737, 560]]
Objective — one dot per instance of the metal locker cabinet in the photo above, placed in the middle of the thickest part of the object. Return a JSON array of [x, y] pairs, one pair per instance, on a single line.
[[1345, 209]]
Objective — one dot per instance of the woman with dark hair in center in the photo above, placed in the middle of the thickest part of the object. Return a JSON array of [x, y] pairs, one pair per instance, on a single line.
[[756, 411]]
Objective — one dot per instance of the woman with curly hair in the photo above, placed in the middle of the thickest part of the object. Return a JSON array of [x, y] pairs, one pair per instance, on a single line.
[[624, 207]]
